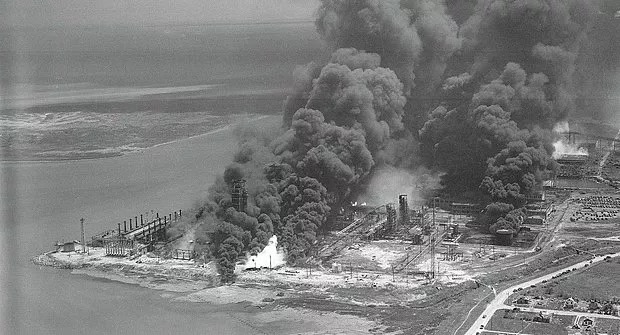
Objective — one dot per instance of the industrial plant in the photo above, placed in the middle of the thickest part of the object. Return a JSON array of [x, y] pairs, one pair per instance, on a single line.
[[445, 167]]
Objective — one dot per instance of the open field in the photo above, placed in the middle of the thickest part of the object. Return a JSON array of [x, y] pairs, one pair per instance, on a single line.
[[596, 283], [521, 322], [506, 320]]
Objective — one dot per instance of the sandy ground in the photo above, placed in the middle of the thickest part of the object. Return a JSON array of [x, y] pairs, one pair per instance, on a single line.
[[187, 282], [146, 270]]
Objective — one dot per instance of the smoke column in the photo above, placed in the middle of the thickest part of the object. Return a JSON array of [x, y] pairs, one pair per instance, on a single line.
[[469, 90]]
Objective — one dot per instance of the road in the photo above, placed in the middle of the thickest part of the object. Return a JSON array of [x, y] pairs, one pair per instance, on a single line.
[[498, 302]]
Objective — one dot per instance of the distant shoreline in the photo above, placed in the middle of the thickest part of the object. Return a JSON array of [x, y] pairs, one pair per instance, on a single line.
[[171, 25], [141, 150]]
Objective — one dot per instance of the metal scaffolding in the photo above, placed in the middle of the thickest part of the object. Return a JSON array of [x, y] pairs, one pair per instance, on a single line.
[[239, 195], [403, 207]]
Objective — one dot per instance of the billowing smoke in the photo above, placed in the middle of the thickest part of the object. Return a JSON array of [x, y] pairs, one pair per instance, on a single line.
[[388, 182], [562, 146], [415, 38], [469, 90], [495, 142], [598, 65], [352, 110]]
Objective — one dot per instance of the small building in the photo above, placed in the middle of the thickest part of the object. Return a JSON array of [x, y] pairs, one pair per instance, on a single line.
[[535, 220], [569, 303], [522, 301], [544, 318], [587, 322], [66, 246]]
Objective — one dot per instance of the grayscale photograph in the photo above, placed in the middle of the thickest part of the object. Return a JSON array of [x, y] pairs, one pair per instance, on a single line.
[[310, 167]]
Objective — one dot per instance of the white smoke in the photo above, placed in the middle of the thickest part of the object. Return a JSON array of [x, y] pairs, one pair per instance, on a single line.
[[270, 257], [561, 127], [389, 182], [562, 146]]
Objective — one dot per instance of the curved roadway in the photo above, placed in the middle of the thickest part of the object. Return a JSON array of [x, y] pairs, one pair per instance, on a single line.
[[498, 302]]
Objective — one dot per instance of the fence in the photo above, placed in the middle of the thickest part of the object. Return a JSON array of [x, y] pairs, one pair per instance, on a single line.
[[184, 254]]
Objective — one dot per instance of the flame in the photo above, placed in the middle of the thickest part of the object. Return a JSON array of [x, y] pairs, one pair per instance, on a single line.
[[269, 256]]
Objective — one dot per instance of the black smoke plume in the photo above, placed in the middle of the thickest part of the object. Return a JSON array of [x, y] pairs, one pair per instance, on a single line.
[[470, 89], [495, 142]]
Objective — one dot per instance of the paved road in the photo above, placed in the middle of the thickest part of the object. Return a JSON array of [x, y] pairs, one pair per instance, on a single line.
[[498, 302]]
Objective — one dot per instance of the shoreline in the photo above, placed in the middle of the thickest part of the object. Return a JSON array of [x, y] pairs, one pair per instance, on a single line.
[[154, 272], [217, 130], [274, 308], [146, 271]]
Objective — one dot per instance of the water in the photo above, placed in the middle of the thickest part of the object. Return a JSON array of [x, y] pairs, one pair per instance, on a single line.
[[162, 56], [52, 196], [100, 92]]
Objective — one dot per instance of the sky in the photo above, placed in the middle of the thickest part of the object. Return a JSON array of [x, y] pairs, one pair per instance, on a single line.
[[43, 13]]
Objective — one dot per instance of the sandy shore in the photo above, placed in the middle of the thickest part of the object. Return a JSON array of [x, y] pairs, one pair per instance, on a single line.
[[188, 282], [146, 270]]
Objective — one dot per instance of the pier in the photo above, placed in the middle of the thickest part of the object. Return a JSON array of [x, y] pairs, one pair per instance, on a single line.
[[135, 235]]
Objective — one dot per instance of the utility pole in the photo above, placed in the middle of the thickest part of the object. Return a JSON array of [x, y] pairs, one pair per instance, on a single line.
[[351, 269], [433, 242], [83, 243]]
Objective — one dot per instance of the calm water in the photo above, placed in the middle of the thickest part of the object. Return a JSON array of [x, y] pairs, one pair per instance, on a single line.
[[53, 196], [106, 76], [99, 92], [163, 56]]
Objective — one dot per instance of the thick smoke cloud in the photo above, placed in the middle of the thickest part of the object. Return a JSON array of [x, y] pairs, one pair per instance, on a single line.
[[351, 110], [598, 66], [370, 100], [467, 89], [521, 58], [414, 38], [543, 36], [375, 26]]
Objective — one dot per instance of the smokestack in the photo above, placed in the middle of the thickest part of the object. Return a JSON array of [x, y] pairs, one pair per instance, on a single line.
[[404, 210]]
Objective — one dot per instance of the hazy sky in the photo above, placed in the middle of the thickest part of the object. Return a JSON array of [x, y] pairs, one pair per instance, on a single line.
[[150, 12]]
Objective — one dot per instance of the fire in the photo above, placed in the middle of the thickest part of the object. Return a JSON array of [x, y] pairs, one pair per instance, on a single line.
[[269, 257]]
